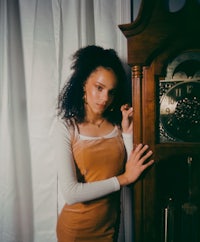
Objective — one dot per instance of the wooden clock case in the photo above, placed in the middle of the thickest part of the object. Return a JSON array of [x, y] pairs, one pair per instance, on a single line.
[[154, 39]]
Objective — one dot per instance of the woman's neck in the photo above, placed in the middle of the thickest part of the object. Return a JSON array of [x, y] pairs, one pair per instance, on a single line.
[[96, 120]]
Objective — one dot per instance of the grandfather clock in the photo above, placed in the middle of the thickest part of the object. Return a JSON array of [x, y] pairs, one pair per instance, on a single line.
[[164, 55]]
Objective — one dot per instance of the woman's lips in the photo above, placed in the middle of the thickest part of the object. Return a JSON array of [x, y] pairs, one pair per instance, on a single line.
[[101, 106]]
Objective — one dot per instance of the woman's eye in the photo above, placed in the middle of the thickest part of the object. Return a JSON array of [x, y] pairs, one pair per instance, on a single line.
[[99, 88]]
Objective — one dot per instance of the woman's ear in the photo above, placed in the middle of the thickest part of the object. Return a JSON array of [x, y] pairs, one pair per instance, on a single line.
[[84, 94], [84, 86]]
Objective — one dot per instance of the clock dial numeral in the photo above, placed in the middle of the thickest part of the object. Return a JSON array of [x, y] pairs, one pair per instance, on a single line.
[[178, 92], [189, 89], [171, 100]]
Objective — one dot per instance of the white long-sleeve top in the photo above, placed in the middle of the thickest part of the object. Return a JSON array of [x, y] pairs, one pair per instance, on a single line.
[[74, 191]]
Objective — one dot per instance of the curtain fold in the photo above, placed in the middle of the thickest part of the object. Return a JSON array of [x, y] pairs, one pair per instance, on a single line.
[[16, 213], [37, 40]]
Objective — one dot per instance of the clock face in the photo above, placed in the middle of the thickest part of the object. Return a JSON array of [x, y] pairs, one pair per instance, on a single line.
[[180, 112]]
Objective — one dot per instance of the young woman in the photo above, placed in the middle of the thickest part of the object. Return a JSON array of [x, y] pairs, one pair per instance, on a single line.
[[94, 153]]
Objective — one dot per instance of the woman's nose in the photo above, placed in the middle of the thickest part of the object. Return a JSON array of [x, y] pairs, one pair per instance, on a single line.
[[105, 96]]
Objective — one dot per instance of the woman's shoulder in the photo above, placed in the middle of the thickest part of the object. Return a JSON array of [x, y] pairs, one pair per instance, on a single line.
[[62, 125]]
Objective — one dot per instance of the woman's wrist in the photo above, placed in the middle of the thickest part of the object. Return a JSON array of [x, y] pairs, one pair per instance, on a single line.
[[123, 181]]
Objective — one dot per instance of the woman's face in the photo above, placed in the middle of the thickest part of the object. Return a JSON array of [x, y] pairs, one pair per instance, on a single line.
[[100, 88]]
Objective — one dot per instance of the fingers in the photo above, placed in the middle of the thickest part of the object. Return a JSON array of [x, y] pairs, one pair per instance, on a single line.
[[127, 110], [140, 149], [138, 162], [130, 112], [144, 155], [146, 165], [140, 154], [127, 118], [125, 107]]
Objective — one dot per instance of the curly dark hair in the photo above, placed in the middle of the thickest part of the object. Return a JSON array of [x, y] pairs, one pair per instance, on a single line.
[[85, 61]]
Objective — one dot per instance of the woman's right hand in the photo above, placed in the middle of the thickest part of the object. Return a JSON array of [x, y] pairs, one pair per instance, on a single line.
[[136, 165]]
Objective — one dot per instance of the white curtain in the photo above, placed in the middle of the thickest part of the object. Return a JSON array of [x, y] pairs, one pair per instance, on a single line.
[[37, 39]]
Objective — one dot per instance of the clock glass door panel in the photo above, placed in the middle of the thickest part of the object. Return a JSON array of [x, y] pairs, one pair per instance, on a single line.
[[179, 99]]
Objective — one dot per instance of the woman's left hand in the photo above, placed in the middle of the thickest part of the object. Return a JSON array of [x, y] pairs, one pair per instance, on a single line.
[[127, 118]]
